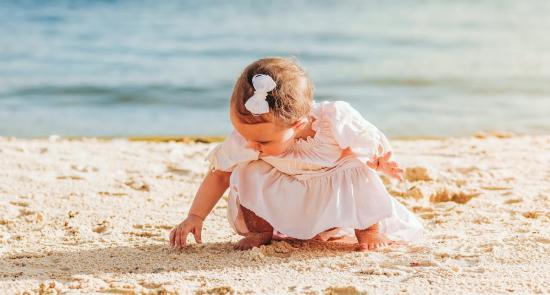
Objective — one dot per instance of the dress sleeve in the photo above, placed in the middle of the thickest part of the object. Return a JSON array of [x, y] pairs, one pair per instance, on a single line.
[[351, 130], [227, 154]]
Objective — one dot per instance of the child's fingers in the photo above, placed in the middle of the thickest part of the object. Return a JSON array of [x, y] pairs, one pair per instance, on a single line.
[[380, 148], [181, 238], [372, 165], [399, 176], [172, 237], [387, 156], [177, 237], [392, 164], [197, 234], [398, 170], [397, 173]]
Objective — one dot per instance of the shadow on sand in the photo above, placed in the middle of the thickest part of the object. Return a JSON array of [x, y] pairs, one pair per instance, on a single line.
[[160, 258]]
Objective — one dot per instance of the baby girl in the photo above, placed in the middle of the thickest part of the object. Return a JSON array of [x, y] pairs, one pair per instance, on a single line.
[[299, 169]]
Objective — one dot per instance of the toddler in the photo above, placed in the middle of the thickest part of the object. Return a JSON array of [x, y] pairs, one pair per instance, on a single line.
[[300, 169]]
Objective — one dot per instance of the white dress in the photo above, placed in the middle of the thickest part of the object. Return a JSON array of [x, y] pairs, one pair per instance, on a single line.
[[312, 188]]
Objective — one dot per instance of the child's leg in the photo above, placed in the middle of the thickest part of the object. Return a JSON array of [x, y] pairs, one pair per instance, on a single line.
[[261, 232], [370, 238]]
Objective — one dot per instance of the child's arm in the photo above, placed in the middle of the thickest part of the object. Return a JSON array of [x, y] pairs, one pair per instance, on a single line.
[[210, 191], [213, 186], [353, 131]]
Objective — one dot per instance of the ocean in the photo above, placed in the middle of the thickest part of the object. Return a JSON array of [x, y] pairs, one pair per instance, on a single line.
[[147, 68]]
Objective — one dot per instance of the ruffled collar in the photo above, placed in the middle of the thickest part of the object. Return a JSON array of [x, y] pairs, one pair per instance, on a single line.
[[315, 113]]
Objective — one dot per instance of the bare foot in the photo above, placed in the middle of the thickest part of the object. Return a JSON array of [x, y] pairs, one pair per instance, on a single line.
[[254, 240], [325, 235], [371, 239]]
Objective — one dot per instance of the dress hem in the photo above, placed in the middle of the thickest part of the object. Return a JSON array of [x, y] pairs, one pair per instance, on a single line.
[[380, 218]]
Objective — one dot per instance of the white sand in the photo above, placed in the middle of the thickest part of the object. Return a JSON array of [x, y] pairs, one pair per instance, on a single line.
[[93, 216]]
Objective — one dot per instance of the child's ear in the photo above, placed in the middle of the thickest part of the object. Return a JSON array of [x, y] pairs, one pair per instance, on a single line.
[[300, 123]]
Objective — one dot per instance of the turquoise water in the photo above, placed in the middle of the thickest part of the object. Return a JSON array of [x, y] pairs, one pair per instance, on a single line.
[[413, 68]]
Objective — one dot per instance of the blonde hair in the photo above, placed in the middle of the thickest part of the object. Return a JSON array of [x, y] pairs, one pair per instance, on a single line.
[[288, 102]]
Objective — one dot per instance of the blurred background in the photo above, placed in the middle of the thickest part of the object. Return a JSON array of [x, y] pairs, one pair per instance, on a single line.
[[143, 68]]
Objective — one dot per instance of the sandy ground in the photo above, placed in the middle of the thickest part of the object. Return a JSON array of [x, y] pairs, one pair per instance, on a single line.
[[93, 216]]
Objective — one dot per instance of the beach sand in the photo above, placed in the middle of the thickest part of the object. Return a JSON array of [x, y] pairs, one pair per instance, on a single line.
[[92, 215]]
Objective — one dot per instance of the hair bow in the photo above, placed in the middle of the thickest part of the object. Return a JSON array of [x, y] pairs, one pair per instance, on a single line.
[[257, 103]]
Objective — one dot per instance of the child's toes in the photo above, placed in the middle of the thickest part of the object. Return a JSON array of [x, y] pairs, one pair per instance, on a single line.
[[362, 247], [242, 246], [375, 246], [239, 246]]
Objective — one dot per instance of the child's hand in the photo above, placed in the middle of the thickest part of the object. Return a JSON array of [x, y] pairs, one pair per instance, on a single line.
[[385, 165], [191, 224]]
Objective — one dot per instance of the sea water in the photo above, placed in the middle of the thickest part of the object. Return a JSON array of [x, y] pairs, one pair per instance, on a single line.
[[412, 68]]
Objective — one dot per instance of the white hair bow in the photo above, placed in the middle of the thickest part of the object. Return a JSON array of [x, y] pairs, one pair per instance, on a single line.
[[257, 103]]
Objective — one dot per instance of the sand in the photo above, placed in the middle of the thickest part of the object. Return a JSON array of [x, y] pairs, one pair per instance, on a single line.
[[81, 216]]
